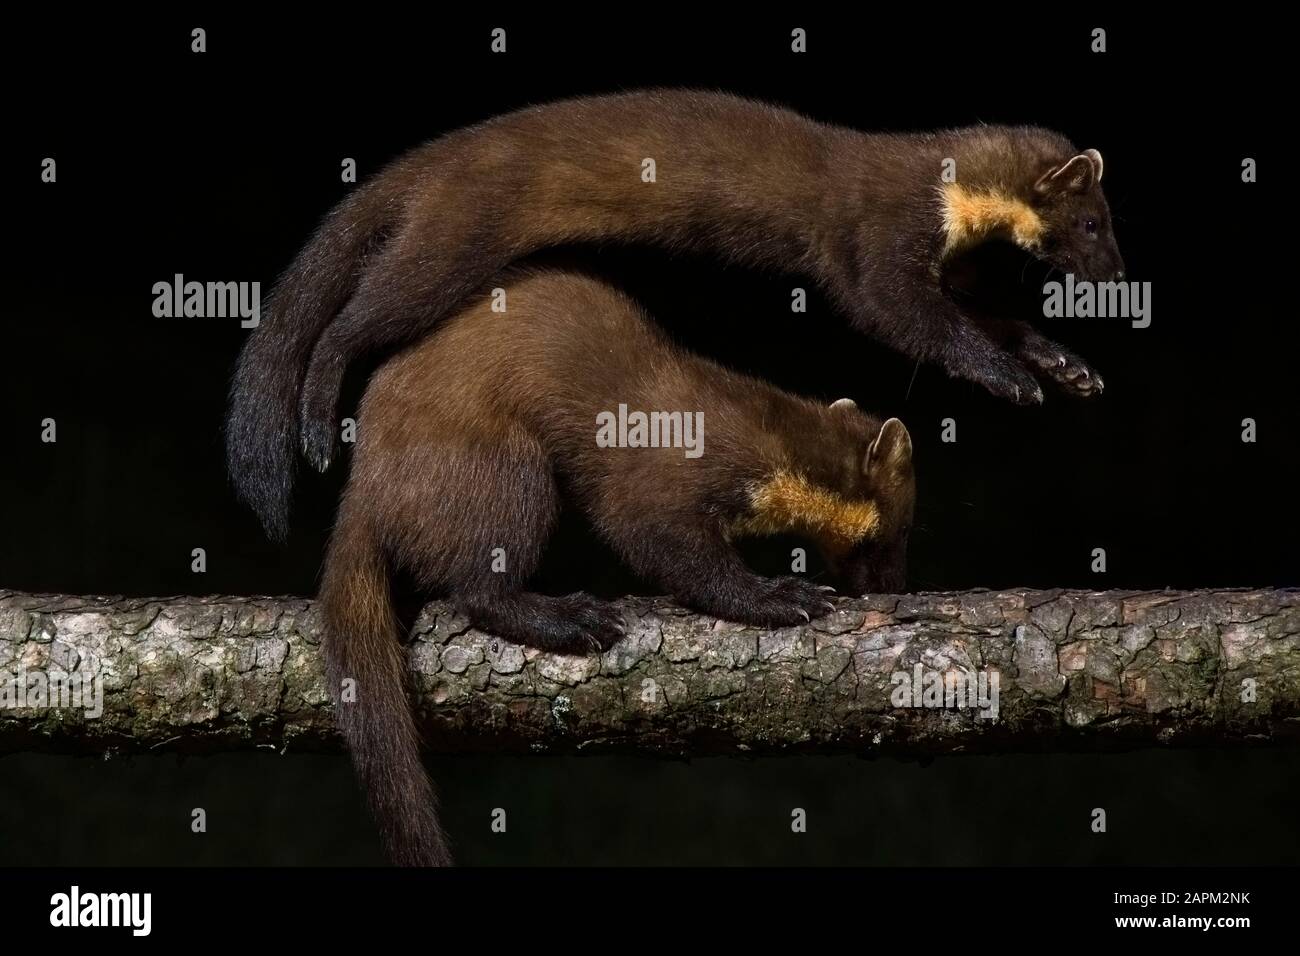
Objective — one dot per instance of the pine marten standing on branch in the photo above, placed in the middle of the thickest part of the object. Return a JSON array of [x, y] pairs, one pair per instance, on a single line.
[[872, 218], [468, 441]]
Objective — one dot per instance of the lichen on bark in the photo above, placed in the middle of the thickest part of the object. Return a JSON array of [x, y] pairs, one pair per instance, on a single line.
[[1075, 670]]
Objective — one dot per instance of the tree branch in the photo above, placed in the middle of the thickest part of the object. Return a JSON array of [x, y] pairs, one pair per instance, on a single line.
[[1073, 670]]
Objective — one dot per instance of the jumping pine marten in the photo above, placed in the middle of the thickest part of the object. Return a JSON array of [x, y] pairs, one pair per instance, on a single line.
[[872, 218], [467, 442]]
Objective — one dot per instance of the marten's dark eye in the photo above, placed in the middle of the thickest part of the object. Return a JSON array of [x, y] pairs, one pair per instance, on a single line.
[[1090, 225]]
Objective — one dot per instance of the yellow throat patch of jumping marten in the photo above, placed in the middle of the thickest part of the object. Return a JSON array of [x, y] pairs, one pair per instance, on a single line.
[[971, 216], [790, 503]]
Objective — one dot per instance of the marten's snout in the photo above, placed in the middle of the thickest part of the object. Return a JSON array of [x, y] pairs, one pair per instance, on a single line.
[[1117, 266]]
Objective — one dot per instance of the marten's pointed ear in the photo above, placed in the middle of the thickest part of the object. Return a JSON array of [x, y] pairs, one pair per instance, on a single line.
[[891, 452], [843, 403], [1095, 157], [1077, 176]]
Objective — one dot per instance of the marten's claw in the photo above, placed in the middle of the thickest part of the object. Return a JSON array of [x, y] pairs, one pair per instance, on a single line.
[[1006, 378], [788, 601], [1078, 378], [1061, 365], [1030, 396], [317, 446], [599, 623]]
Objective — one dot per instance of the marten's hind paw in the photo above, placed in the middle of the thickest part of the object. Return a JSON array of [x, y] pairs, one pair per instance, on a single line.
[[583, 624], [317, 444], [573, 624]]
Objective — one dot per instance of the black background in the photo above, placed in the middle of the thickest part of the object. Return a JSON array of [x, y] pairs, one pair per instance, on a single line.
[[218, 166]]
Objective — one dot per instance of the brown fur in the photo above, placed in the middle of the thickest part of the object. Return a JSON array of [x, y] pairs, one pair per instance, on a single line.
[[468, 441], [859, 213]]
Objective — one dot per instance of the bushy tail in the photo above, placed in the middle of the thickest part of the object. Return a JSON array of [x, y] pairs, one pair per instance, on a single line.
[[262, 421], [362, 646]]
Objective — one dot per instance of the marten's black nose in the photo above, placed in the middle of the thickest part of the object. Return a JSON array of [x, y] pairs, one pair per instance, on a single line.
[[1119, 276]]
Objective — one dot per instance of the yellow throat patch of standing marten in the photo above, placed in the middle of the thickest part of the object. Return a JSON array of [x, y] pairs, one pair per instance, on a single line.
[[971, 216], [790, 503]]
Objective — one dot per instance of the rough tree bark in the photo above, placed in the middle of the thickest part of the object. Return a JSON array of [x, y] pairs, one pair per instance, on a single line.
[[1075, 670]]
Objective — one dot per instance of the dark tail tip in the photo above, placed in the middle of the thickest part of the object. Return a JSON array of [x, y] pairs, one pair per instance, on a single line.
[[260, 438], [261, 466]]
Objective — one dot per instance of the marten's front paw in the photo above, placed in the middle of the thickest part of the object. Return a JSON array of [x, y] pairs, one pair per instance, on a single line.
[[1006, 378], [1063, 367], [785, 602]]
